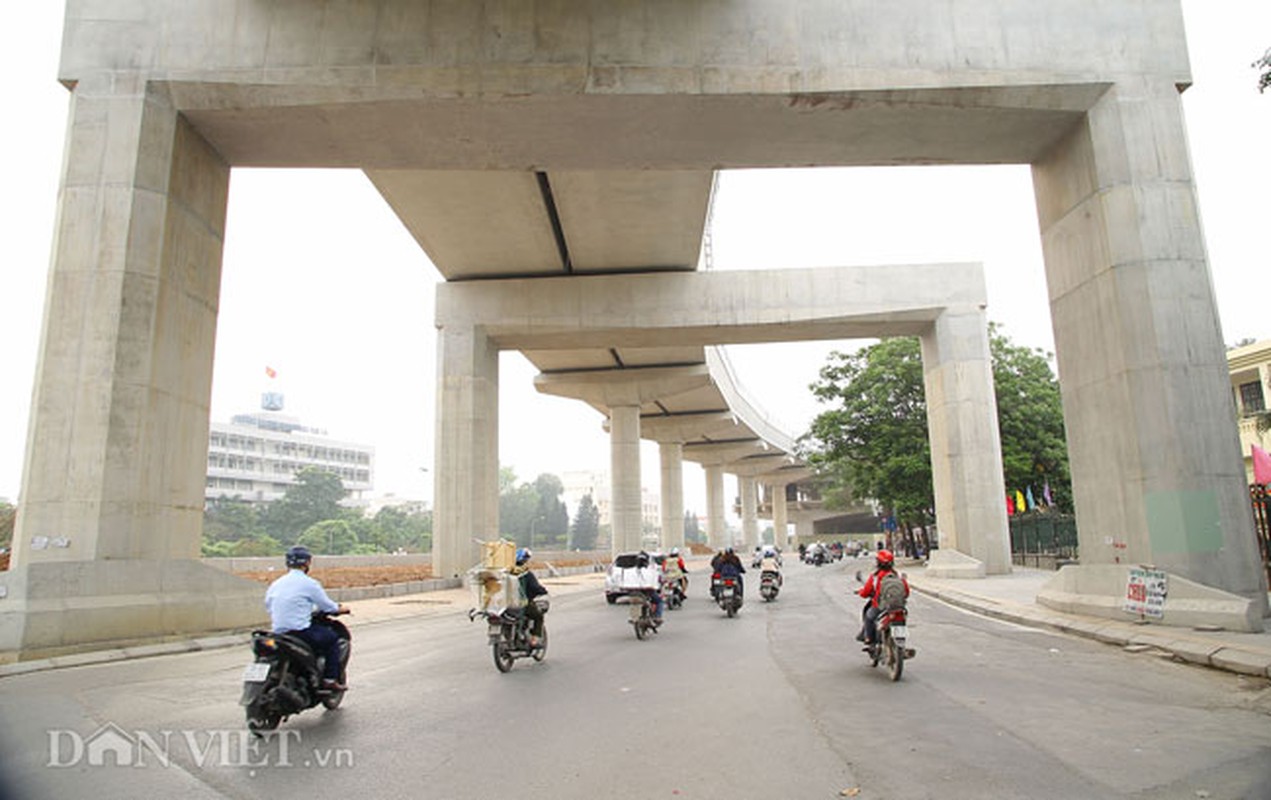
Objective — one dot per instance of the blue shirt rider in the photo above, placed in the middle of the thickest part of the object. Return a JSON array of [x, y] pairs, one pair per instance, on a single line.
[[291, 600]]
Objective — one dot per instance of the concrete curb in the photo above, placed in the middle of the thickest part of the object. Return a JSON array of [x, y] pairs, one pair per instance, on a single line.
[[1174, 642]]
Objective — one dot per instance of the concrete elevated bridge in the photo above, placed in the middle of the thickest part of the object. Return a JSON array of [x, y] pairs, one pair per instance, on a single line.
[[556, 162]]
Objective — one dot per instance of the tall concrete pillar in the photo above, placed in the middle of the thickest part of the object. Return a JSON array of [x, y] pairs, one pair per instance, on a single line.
[[624, 473], [1152, 435], [716, 530], [779, 517], [466, 475], [748, 489], [803, 530], [671, 455], [966, 450], [116, 460]]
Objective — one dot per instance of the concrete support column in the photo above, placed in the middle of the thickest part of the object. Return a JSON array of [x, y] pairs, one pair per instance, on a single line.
[[1152, 436], [624, 474], [966, 449], [779, 516], [466, 476], [749, 490], [716, 531], [672, 459], [803, 531], [116, 456]]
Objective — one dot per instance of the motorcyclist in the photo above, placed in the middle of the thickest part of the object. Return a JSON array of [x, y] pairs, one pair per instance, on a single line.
[[674, 570], [729, 565], [884, 564], [291, 600], [770, 562], [530, 589]]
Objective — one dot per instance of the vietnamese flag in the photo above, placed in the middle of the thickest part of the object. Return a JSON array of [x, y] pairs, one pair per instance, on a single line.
[[1261, 465], [271, 372]]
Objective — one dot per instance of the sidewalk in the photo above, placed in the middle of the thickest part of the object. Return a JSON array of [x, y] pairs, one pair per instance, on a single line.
[[1013, 597]]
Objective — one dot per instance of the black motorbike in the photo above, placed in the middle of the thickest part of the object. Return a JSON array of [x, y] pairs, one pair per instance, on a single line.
[[508, 630], [286, 677], [641, 614], [674, 591], [727, 593]]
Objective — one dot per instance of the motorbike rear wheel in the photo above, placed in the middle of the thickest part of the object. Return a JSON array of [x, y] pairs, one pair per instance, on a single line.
[[895, 658], [731, 610]]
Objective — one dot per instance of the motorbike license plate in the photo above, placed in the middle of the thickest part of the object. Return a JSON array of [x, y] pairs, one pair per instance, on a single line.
[[899, 632], [728, 592], [257, 672]]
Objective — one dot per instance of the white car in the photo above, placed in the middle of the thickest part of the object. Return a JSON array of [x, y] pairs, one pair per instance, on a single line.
[[630, 571]]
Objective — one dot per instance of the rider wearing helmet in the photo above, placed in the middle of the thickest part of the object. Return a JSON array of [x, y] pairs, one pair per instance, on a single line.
[[530, 589], [729, 565], [884, 564], [291, 600]]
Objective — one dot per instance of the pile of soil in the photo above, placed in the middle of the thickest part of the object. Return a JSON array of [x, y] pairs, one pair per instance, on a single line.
[[355, 577], [351, 577]]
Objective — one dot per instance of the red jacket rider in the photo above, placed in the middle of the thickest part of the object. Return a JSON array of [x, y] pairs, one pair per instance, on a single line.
[[885, 563]]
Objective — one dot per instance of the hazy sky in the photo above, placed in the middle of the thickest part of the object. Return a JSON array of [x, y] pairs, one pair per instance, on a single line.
[[323, 284]]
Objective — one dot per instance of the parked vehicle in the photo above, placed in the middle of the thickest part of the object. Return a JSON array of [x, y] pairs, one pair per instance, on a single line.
[[508, 630], [286, 676], [727, 593], [769, 585]]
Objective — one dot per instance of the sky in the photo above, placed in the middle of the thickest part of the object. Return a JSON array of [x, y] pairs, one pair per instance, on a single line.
[[322, 284]]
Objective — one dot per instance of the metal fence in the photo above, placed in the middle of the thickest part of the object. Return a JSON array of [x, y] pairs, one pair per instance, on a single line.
[[1043, 539], [1262, 524]]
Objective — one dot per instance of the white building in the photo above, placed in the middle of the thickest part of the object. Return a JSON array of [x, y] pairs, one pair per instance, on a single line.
[[578, 484], [255, 457]]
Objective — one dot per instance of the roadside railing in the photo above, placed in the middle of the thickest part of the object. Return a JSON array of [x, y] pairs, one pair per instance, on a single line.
[[1043, 539]]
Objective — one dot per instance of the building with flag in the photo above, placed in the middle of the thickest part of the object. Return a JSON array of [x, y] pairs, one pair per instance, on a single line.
[[255, 457], [1250, 370]]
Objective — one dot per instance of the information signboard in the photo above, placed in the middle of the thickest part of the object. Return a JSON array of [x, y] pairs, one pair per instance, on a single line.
[[1145, 591]]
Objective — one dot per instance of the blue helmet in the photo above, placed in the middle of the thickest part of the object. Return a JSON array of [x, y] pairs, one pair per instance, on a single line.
[[522, 555], [299, 556]]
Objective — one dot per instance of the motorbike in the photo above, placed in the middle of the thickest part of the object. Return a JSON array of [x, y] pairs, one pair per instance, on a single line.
[[675, 593], [286, 676], [727, 593], [508, 630], [770, 585], [891, 635], [641, 615]]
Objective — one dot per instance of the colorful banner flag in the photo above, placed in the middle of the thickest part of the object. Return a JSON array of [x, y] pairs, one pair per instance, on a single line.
[[1031, 502], [271, 372], [1261, 465], [1010, 506], [1050, 501], [1020, 508]]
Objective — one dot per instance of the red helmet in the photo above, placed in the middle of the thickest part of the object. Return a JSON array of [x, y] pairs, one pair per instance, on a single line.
[[885, 558]]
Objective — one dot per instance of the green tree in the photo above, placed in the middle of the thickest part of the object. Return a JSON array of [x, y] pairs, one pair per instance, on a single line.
[[1263, 65], [230, 519], [692, 530], [8, 517], [331, 537], [586, 528], [314, 497], [551, 515], [874, 442]]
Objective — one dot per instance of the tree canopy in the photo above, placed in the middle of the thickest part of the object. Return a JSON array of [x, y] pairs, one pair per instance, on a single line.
[[873, 442], [1263, 65], [586, 527], [532, 514]]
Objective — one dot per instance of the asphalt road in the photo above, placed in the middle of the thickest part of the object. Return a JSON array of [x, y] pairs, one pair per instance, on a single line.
[[777, 703]]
